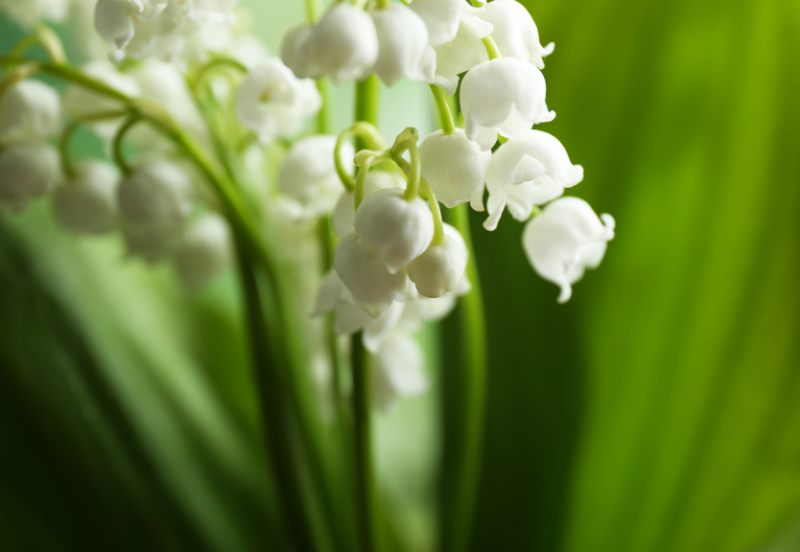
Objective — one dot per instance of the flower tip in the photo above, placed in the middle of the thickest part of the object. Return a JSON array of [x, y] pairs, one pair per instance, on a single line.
[[547, 50], [566, 293]]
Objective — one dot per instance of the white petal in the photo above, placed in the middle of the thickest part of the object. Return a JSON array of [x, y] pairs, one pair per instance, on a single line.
[[454, 166]]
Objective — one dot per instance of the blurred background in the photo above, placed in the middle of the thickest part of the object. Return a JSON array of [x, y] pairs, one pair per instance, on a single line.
[[657, 411]]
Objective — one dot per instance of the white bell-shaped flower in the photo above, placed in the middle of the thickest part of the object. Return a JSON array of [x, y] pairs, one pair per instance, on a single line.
[[30, 12], [344, 44], [203, 251], [295, 50], [455, 167], [444, 18], [393, 229], [29, 110], [527, 172], [566, 239], [156, 193], [398, 371], [308, 174], [344, 213], [462, 53], [371, 286], [27, 171], [273, 102], [515, 33], [80, 102], [506, 95], [86, 203], [402, 45], [153, 243], [439, 269]]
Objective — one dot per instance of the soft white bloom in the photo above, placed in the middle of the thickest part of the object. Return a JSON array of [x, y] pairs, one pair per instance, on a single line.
[[461, 54], [30, 12], [393, 229], [273, 102], [80, 102], [248, 50], [343, 45], [29, 110], [441, 267], [153, 243], [515, 33], [344, 213], [506, 95], [370, 284], [397, 371], [203, 251], [444, 17], [527, 172], [156, 193], [295, 50], [565, 240], [86, 203], [27, 171], [455, 167], [308, 174], [402, 45]]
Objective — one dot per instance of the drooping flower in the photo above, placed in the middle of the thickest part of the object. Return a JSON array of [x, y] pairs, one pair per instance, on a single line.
[[86, 203], [397, 371], [393, 229], [155, 194], [273, 102], [344, 213], [526, 172], [455, 167], [566, 239], [203, 251], [295, 50], [29, 110], [505, 95], [27, 171], [402, 45], [441, 267], [308, 174], [444, 17], [515, 33]]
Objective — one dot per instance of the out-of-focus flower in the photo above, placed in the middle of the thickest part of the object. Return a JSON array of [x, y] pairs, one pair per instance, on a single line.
[[273, 102], [566, 239], [156, 193], [29, 110], [515, 33], [527, 172], [30, 12], [203, 251], [27, 170], [86, 202], [402, 45], [152, 243], [506, 95], [441, 267], [397, 371], [455, 167]]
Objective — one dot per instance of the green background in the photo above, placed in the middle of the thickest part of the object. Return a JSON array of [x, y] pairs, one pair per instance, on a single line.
[[657, 411]]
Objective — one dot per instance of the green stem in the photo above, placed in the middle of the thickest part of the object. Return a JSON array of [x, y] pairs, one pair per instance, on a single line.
[[214, 65], [47, 39], [119, 158], [464, 401], [367, 104], [66, 137], [415, 174], [438, 226], [445, 116], [324, 116], [491, 47]]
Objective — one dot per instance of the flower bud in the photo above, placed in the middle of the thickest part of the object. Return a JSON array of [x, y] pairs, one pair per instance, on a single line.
[[403, 45], [29, 110], [308, 174], [527, 172], [344, 44], [27, 170], [506, 95], [371, 286], [397, 371], [203, 251], [515, 33], [273, 102], [455, 167], [156, 193], [565, 240], [396, 230], [344, 213], [86, 203]]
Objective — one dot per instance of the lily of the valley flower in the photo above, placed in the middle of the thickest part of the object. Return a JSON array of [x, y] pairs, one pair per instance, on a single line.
[[527, 172], [441, 267], [515, 33], [505, 95], [86, 203], [566, 239], [344, 213], [397, 371], [153, 243], [394, 229], [273, 102], [29, 110], [455, 167], [203, 251], [30, 12], [155, 194], [402, 45], [27, 171], [308, 174], [444, 17]]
